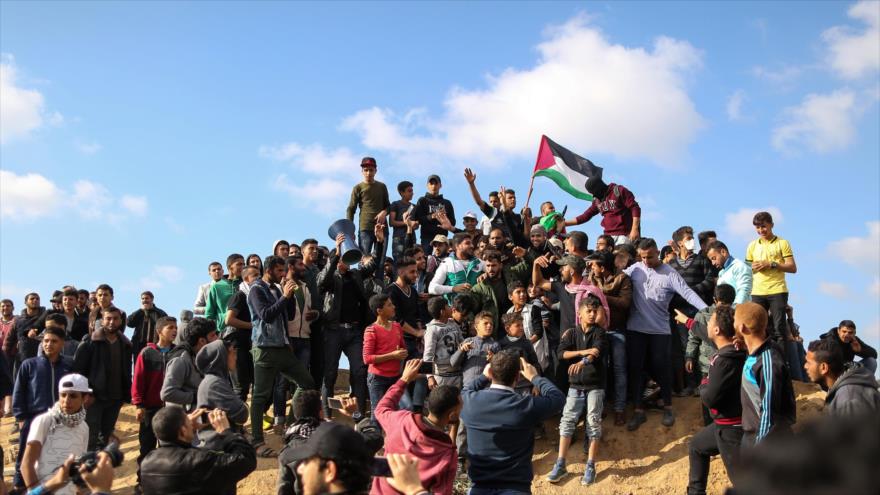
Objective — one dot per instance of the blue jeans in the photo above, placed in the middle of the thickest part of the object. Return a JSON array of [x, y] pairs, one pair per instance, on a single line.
[[575, 403], [794, 363], [367, 242], [377, 386], [870, 364], [617, 366], [397, 248], [495, 491], [419, 387]]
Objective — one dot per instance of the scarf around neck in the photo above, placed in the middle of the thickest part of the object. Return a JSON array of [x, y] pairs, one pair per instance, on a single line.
[[68, 420]]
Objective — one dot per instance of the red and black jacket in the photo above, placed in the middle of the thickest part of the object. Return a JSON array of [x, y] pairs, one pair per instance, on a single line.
[[149, 373]]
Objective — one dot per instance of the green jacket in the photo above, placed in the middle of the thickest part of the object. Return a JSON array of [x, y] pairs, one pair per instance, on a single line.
[[484, 296], [699, 346], [217, 299]]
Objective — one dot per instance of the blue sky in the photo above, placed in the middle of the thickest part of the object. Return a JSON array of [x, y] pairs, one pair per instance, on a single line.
[[141, 141]]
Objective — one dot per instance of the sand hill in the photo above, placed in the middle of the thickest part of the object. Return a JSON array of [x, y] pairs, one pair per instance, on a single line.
[[652, 460]]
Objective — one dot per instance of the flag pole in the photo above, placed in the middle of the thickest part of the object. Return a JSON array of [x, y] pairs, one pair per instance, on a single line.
[[532, 183]]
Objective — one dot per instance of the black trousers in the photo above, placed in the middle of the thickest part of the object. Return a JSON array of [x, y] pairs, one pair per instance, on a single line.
[[101, 417], [775, 304], [146, 437], [642, 347], [243, 376], [712, 440]]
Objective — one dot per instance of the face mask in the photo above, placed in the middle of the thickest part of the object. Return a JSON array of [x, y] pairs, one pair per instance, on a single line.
[[689, 244], [513, 339]]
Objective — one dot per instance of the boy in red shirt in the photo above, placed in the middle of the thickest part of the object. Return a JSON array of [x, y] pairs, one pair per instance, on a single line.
[[149, 373], [384, 349]]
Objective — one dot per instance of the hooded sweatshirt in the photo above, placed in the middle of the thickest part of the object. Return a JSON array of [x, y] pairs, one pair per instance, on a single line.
[[617, 205], [441, 342], [182, 378], [407, 433], [854, 394], [215, 391]]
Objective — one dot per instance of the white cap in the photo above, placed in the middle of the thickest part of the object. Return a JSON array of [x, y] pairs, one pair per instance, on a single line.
[[470, 214], [74, 382]]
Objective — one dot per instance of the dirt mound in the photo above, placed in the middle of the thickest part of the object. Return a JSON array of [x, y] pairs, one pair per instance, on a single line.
[[652, 460]]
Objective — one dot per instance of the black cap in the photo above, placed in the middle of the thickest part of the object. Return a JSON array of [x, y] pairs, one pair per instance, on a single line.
[[435, 177], [368, 161], [335, 441]]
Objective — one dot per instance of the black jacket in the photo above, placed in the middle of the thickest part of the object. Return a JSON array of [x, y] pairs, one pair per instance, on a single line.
[[848, 353], [78, 330], [425, 207], [27, 347], [721, 387], [181, 469], [592, 375], [144, 324], [92, 360], [330, 285]]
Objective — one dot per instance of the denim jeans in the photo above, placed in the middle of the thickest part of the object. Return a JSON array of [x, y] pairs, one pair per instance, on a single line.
[[617, 368], [870, 364], [339, 339], [378, 385], [397, 247], [575, 404], [795, 370], [418, 388], [656, 349], [367, 242]]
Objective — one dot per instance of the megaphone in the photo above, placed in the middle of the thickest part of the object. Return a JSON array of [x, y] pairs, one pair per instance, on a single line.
[[351, 253]]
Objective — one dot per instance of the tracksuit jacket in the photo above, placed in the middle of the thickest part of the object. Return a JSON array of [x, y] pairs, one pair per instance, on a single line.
[[767, 395]]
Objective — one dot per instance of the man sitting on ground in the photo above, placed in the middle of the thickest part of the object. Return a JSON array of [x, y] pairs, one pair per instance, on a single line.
[[852, 346]]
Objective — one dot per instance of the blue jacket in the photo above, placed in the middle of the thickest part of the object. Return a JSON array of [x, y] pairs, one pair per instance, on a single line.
[[500, 431], [269, 315], [737, 274], [36, 386]]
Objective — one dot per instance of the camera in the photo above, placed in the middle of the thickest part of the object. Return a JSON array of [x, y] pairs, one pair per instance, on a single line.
[[90, 461]]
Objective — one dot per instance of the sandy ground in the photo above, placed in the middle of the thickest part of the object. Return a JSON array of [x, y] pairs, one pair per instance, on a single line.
[[652, 460]]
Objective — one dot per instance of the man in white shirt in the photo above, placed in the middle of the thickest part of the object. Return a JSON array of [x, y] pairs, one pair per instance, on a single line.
[[215, 270], [58, 433]]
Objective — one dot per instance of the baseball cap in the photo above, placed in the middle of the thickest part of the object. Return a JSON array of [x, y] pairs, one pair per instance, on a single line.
[[74, 382], [470, 214], [557, 243], [439, 238], [538, 228], [368, 161], [573, 261], [434, 177], [334, 441]]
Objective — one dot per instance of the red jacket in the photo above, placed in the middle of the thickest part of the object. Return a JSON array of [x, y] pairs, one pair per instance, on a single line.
[[149, 373], [617, 209], [406, 433]]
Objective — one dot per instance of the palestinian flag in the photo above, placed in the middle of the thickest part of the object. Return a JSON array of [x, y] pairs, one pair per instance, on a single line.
[[568, 170]]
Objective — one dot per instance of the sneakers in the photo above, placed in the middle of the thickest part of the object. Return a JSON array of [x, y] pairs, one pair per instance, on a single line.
[[589, 473], [636, 420], [558, 471], [668, 417]]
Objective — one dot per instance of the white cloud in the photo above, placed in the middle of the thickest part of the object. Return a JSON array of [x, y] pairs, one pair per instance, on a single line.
[[22, 110], [860, 252], [314, 158], [834, 289], [159, 276], [320, 196], [821, 123], [739, 223], [783, 76], [27, 197], [734, 105], [584, 91], [136, 205], [32, 196], [874, 288], [854, 53], [88, 148]]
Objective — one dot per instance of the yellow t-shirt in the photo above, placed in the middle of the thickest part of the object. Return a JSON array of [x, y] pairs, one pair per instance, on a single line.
[[768, 281]]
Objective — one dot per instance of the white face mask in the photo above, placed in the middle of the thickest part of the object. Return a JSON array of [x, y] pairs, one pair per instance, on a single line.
[[689, 244]]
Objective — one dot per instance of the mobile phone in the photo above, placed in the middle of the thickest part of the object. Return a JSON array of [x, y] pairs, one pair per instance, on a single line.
[[381, 467], [334, 403], [204, 418]]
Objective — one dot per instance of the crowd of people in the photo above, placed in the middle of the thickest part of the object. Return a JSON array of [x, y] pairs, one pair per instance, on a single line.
[[461, 343]]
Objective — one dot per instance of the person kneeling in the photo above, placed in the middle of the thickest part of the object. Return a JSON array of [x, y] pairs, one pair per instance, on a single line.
[[178, 467]]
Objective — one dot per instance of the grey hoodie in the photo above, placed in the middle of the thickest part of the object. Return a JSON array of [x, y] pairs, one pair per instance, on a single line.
[[853, 394], [441, 342], [215, 391]]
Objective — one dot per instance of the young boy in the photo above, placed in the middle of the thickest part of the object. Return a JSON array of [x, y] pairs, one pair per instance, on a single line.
[[396, 213], [767, 396], [371, 196], [146, 385], [471, 357], [57, 433], [581, 352], [384, 349], [442, 340], [515, 339], [533, 325], [771, 258]]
